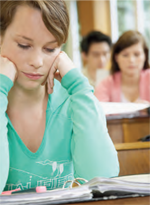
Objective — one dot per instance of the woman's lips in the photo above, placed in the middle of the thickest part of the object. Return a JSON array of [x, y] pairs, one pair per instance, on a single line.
[[32, 76], [132, 67]]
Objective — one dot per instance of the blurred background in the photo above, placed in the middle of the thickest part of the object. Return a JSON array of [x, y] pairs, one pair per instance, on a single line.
[[130, 134], [112, 17]]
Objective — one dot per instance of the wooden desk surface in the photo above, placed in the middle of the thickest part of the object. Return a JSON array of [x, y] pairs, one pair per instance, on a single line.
[[127, 201], [128, 129], [132, 146], [134, 158]]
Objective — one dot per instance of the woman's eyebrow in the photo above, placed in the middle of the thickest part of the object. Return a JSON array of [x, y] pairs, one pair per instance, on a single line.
[[29, 39], [26, 38]]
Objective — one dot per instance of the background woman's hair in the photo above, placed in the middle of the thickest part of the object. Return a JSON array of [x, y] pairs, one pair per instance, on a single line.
[[126, 40], [54, 14]]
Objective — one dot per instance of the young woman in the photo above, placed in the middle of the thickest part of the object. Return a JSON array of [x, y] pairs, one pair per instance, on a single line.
[[130, 79], [50, 130]]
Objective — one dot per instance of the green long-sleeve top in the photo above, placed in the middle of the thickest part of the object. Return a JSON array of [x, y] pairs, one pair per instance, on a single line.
[[76, 142]]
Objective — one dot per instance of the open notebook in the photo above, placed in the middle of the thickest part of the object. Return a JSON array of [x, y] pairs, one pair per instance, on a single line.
[[95, 189]]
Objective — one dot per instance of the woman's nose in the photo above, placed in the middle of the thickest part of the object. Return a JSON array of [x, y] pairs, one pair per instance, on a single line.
[[131, 58], [36, 60]]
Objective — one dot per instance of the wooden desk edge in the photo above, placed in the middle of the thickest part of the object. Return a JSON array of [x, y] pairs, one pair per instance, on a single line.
[[132, 145], [141, 119]]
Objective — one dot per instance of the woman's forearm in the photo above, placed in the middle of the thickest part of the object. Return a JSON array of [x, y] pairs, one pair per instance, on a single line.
[[93, 152], [5, 85]]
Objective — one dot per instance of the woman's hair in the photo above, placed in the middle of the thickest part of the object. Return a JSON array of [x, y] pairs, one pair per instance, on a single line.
[[54, 14], [126, 40]]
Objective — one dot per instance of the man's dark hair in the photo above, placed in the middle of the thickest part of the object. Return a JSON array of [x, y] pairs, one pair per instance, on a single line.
[[94, 37]]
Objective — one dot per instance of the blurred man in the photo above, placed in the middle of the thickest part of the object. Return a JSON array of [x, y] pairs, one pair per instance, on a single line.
[[95, 50]]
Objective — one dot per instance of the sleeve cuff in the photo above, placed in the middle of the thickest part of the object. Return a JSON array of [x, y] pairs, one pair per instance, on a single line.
[[74, 81], [5, 84]]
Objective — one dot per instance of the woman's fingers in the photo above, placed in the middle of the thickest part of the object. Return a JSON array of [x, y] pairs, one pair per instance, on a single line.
[[142, 101], [51, 76], [50, 90], [61, 66], [57, 76], [52, 73]]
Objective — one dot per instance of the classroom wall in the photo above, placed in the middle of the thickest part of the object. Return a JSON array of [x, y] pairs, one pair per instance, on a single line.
[[94, 15]]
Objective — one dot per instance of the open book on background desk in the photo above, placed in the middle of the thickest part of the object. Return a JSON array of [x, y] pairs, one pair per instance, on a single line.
[[95, 189], [121, 108]]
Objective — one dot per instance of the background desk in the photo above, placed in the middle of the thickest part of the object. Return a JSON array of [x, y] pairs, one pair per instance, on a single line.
[[128, 129], [134, 157]]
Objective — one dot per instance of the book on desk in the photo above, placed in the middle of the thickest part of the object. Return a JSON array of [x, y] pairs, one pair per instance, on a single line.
[[95, 189], [113, 108]]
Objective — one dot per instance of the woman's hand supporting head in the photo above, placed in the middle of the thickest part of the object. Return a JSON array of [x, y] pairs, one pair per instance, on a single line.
[[8, 68], [61, 66]]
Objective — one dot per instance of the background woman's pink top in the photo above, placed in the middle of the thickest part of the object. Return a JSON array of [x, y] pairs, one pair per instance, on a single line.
[[109, 90]]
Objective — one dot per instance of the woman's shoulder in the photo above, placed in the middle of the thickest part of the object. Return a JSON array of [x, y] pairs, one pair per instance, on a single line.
[[108, 83]]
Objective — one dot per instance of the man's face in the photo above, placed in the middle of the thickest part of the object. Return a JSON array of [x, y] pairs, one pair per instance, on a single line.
[[98, 55]]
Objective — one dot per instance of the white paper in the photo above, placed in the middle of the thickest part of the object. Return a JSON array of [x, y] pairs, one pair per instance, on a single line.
[[120, 108], [145, 178]]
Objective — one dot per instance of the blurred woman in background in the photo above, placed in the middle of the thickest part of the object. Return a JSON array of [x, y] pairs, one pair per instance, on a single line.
[[130, 79]]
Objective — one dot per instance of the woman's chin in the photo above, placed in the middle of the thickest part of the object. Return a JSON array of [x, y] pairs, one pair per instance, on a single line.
[[132, 73], [30, 85]]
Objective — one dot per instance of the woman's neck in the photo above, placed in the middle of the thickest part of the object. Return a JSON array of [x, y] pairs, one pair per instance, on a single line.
[[130, 80], [22, 99]]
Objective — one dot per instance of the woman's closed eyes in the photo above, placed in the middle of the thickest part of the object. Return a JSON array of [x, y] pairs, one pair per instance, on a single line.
[[25, 47], [135, 54]]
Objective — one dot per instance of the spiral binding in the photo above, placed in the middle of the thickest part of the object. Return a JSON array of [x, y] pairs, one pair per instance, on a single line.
[[76, 181]]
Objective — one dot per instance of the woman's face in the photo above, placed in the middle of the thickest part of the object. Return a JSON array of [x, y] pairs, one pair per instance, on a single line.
[[30, 46], [131, 60]]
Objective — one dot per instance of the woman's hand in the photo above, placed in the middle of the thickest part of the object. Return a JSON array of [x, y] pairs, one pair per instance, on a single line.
[[61, 66], [142, 101], [144, 111], [8, 68]]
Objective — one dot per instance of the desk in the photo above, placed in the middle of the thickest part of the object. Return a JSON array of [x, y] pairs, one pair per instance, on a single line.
[[128, 129], [127, 201], [134, 157]]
